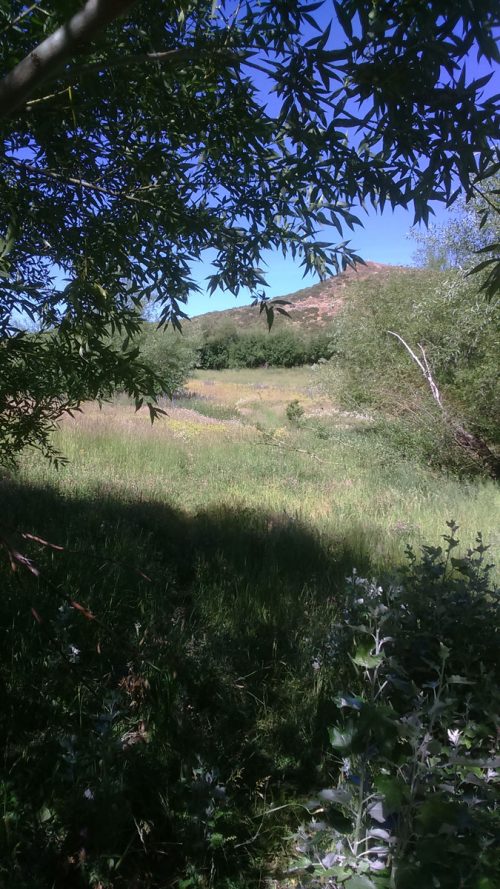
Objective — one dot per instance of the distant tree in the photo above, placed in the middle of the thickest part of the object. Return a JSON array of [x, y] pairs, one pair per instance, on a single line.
[[136, 135], [473, 228], [169, 354]]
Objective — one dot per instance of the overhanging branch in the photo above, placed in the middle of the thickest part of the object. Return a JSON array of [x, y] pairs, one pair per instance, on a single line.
[[82, 183], [45, 60]]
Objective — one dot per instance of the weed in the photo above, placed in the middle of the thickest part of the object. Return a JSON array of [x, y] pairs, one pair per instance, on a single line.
[[295, 412], [415, 736]]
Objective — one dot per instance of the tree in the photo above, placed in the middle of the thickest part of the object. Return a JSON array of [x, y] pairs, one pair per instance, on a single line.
[[138, 135], [419, 350], [473, 228]]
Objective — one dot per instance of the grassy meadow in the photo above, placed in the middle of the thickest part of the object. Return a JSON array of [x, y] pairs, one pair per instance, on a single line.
[[226, 443], [168, 647]]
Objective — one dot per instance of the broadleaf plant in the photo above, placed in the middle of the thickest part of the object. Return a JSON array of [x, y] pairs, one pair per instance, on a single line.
[[415, 745]]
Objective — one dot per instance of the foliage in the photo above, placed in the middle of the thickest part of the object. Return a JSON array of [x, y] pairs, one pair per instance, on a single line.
[[470, 239], [125, 158], [283, 348], [416, 801], [295, 412], [459, 329], [175, 698], [170, 354], [473, 227]]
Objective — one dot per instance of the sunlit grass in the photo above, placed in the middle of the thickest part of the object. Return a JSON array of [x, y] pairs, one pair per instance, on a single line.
[[337, 477]]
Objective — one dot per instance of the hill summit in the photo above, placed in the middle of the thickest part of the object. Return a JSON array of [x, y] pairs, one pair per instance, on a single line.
[[312, 307]]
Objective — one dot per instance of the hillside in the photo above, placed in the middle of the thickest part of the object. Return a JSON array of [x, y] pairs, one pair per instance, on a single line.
[[311, 308]]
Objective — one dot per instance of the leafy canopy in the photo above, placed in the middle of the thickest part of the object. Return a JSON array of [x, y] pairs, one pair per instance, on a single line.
[[148, 133]]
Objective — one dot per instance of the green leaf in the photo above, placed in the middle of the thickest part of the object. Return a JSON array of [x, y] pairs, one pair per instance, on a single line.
[[340, 822], [341, 739], [394, 790], [360, 881], [362, 656], [45, 814], [349, 701]]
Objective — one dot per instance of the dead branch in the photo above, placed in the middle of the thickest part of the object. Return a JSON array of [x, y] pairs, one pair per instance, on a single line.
[[423, 365], [471, 443]]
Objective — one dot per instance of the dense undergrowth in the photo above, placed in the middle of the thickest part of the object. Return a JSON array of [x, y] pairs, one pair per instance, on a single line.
[[170, 688]]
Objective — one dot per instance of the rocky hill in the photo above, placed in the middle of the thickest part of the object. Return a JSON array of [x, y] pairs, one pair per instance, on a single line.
[[312, 308]]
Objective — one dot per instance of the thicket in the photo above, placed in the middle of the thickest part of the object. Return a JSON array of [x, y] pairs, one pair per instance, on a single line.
[[458, 327], [415, 800], [284, 348], [170, 354]]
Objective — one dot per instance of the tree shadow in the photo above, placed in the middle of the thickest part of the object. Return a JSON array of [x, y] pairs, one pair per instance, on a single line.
[[163, 675]]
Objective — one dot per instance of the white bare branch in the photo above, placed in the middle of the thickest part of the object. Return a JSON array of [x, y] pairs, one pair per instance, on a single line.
[[423, 365]]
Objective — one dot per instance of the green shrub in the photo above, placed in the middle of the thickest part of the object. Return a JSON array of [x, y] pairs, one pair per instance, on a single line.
[[171, 354], [460, 332], [416, 801], [281, 348], [294, 412], [214, 351]]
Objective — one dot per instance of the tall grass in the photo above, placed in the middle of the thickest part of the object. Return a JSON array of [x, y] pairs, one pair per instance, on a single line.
[[349, 486], [162, 707]]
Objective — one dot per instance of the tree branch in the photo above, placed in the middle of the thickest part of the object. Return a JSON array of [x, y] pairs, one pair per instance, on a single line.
[[423, 365], [45, 60], [471, 443], [182, 53], [83, 183]]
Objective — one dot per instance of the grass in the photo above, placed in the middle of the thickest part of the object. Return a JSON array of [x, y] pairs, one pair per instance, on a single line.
[[160, 695], [334, 473]]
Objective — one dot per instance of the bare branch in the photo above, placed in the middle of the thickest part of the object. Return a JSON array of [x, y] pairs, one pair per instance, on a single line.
[[472, 444], [45, 60], [423, 365]]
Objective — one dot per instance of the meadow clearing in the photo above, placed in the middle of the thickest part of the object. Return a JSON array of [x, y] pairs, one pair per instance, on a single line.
[[170, 649], [227, 442]]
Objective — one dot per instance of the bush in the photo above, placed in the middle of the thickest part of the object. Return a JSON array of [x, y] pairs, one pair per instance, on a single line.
[[294, 412], [283, 348], [415, 803], [170, 354], [458, 328]]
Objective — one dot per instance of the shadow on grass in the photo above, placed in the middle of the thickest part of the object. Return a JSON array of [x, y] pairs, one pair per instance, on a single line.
[[165, 678]]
